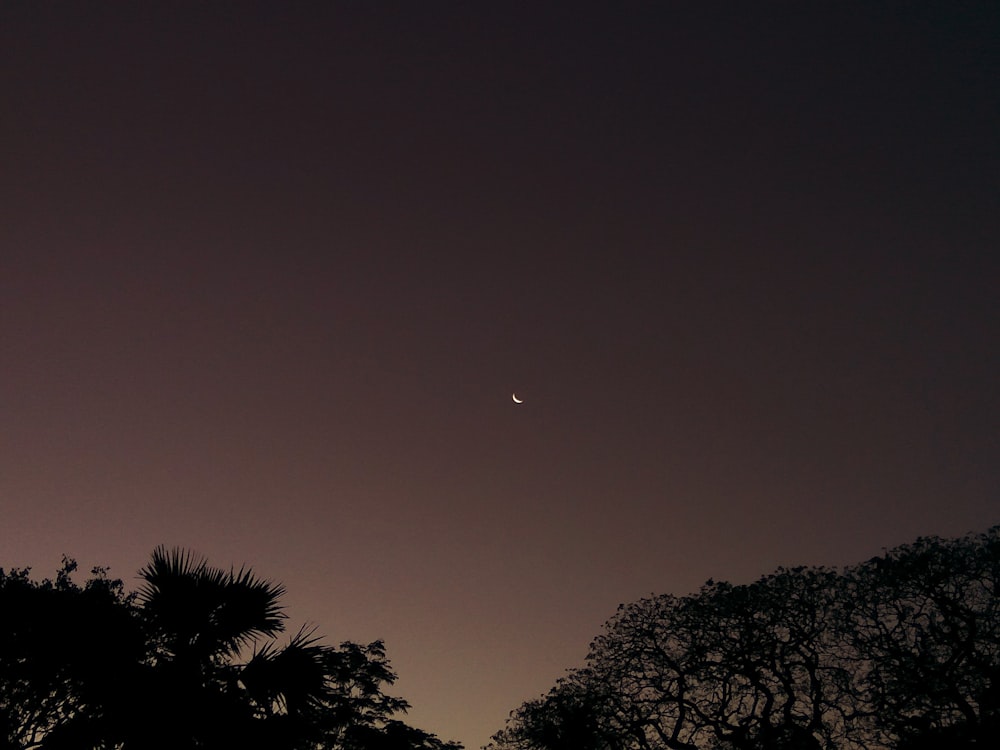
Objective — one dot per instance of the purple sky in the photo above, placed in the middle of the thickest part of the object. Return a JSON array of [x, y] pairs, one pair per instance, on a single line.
[[270, 272]]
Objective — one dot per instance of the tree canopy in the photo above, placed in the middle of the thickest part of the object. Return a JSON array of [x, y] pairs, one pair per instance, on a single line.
[[190, 660], [902, 651]]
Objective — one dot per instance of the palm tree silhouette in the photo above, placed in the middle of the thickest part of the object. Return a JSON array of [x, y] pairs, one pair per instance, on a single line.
[[201, 621], [203, 614]]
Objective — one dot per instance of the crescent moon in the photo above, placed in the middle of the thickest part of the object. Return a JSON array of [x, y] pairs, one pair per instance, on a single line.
[[516, 399]]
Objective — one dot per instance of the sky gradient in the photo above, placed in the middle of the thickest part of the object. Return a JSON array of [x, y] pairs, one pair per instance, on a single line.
[[270, 272]]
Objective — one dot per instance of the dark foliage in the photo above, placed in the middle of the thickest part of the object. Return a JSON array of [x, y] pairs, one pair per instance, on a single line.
[[189, 661], [902, 651]]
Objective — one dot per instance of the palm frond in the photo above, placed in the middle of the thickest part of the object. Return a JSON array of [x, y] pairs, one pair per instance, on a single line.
[[203, 611], [290, 680]]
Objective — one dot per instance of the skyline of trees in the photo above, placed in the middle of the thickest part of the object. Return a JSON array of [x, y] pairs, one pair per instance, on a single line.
[[189, 660], [902, 651]]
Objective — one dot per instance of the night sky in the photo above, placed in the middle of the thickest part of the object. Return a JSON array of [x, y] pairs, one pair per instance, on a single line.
[[270, 273]]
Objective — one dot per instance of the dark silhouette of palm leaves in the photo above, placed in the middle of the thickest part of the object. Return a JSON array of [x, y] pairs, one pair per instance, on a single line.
[[202, 612], [290, 680]]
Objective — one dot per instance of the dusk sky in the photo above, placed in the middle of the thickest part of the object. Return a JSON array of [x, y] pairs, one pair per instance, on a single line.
[[270, 273]]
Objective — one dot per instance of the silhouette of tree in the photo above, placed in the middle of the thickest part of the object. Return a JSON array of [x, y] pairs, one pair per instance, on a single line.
[[572, 716], [734, 666], [770, 675], [926, 617], [63, 649], [900, 652], [191, 660]]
